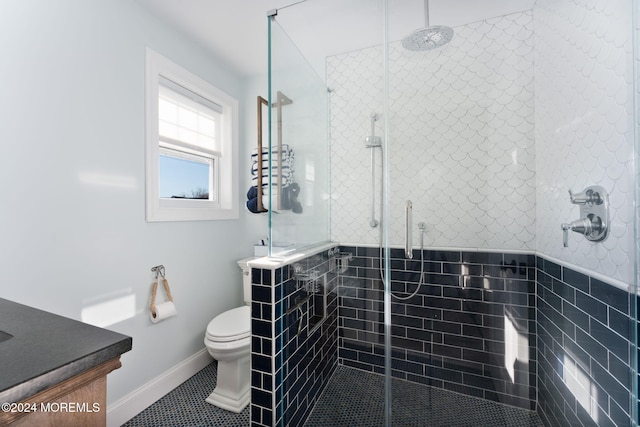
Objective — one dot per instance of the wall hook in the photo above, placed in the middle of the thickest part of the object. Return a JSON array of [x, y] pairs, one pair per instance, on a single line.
[[159, 270]]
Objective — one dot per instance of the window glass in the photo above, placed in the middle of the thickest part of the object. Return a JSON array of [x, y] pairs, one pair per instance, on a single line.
[[185, 177], [191, 146]]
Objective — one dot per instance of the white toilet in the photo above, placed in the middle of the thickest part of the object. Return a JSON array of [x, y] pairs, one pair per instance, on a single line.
[[228, 339]]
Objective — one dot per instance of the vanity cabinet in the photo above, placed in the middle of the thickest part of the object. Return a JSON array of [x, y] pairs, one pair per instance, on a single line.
[[54, 369]]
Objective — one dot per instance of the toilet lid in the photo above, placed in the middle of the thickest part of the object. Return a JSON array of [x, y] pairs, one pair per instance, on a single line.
[[231, 325]]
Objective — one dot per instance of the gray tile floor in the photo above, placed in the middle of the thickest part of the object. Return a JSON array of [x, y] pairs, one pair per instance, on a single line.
[[352, 398], [185, 406], [356, 399]]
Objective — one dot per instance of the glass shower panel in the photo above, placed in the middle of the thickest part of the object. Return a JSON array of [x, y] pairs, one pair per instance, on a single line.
[[338, 30], [298, 196]]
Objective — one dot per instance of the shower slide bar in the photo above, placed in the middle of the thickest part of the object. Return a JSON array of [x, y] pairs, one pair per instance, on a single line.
[[373, 142]]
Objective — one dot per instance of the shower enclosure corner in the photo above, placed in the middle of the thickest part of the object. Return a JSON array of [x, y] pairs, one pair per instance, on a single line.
[[297, 183]]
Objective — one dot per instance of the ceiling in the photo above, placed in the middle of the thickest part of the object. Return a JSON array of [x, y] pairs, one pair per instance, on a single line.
[[236, 30]]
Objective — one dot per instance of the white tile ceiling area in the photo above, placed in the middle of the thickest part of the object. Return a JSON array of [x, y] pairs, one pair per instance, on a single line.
[[236, 30]]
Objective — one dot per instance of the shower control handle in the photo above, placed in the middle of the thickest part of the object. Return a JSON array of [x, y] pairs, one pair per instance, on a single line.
[[589, 227], [582, 226], [594, 222], [589, 196]]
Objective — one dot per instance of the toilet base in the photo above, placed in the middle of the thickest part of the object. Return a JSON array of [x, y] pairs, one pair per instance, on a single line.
[[233, 405], [233, 388]]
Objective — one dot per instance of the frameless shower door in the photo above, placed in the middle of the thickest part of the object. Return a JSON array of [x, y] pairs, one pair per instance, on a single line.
[[487, 136]]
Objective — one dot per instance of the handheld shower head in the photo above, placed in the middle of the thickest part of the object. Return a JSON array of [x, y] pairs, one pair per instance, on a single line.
[[372, 140]]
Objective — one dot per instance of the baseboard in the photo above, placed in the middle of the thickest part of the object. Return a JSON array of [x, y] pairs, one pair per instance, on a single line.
[[138, 400]]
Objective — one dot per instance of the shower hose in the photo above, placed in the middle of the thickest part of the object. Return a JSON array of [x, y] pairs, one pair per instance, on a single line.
[[381, 269]]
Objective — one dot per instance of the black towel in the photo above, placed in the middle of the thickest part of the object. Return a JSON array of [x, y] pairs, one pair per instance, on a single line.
[[252, 205], [252, 193], [252, 200]]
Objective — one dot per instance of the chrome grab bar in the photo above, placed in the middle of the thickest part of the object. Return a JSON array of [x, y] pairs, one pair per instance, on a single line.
[[408, 249], [372, 222]]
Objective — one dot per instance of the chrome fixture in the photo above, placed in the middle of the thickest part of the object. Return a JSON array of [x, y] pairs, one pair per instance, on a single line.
[[594, 215], [408, 219], [311, 301], [428, 37], [590, 195], [422, 227], [372, 141], [298, 304], [339, 261], [307, 280]]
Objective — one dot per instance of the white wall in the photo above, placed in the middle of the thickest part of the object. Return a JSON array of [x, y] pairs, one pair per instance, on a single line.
[[72, 222], [584, 127]]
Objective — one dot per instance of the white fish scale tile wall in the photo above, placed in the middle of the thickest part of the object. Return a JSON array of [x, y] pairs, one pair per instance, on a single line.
[[461, 138], [583, 116]]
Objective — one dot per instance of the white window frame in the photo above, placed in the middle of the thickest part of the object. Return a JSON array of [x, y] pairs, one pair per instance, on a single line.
[[225, 203]]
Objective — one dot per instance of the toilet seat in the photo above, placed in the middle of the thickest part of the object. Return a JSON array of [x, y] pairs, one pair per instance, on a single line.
[[232, 325]]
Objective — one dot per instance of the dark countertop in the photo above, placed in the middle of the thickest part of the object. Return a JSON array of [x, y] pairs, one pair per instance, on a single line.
[[47, 349]]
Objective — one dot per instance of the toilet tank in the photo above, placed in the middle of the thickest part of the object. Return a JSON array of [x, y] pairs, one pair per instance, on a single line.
[[246, 279]]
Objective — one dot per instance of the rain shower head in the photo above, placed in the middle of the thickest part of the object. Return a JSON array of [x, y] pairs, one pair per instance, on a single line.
[[427, 38]]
